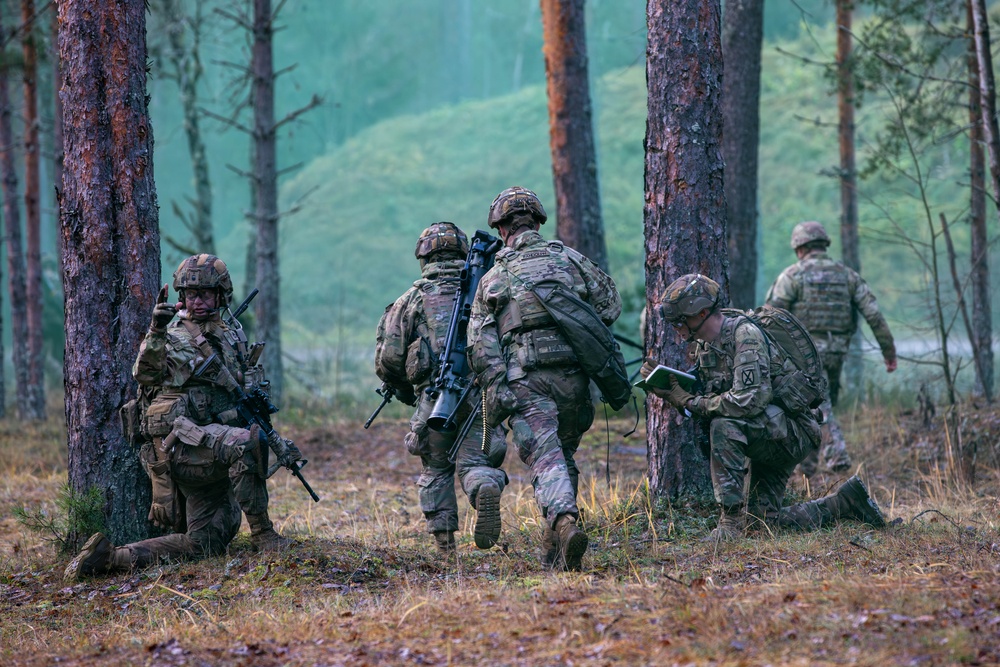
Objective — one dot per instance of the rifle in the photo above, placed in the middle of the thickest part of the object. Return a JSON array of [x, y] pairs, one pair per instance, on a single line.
[[386, 391], [453, 383], [254, 407]]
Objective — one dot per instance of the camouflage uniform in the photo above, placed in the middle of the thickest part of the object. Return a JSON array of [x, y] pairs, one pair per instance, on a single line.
[[409, 341], [529, 370], [216, 465], [736, 373], [827, 296], [205, 468]]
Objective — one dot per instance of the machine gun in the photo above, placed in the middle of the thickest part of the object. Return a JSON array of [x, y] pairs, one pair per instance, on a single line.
[[453, 383]]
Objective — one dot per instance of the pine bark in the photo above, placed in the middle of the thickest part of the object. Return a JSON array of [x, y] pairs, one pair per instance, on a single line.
[[845, 109], [685, 208], [571, 129], [15, 249], [33, 216], [742, 37], [267, 304], [111, 239], [982, 312], [57, 133]]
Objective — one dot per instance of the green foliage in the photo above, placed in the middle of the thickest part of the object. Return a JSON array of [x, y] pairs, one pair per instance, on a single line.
[[75, 514]]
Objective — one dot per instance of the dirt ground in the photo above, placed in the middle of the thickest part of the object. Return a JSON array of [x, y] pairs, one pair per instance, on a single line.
[[364, 586]]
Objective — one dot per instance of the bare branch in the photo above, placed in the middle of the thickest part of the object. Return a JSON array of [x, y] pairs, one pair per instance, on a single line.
[[313, 103]]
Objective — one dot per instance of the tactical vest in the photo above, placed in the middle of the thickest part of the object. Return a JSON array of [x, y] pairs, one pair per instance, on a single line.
[[524, 312], [825, 304], [528, 332]]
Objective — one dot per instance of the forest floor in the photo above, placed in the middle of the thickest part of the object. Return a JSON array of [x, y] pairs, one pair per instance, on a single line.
[[364, 585]]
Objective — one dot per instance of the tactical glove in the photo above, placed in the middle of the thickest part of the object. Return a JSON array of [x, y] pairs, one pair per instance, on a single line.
[[406, 395], [499, 400], [163, 312], [286, 451], [676, 395]]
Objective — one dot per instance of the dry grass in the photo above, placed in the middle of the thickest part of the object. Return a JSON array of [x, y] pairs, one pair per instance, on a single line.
[[365, 586]]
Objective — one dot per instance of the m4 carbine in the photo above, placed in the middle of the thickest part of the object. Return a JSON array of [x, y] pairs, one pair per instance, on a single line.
[[453, 382]]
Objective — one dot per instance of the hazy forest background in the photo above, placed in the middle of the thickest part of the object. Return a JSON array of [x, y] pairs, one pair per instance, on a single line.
[[426, 110]]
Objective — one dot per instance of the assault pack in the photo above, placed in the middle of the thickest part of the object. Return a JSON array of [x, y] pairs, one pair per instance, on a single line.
[[594, 345], [805, 387]]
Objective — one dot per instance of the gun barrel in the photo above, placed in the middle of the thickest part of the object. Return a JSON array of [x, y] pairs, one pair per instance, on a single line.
[[296, 470]]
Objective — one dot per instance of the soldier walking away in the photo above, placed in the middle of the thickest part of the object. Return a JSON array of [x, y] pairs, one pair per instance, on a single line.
[[409, 341], [528, 371], [827, 296], [738, 370], [206, 469]]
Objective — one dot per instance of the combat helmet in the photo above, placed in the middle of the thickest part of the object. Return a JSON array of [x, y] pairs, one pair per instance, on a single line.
[[204, 271], [441, 236], [807, 232], [516, 200], [687, 296]]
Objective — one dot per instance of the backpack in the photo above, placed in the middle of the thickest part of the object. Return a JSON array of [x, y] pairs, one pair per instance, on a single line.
[[593, 344], [804, 387]]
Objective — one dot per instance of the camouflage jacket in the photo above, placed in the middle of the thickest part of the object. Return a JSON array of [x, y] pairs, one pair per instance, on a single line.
[[735, 371], [168, 360], [505, 309], [412, 331], [827, 295]]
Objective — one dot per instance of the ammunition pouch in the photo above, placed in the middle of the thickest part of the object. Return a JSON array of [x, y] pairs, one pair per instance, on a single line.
[[795, 394], [541, 348], [194, 459], [163, 411], [130, 415], [419, 361]]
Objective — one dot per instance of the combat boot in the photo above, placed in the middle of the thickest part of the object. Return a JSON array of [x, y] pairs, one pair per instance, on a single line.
[[444, 540], [550, 546], [851, 501], [98, 556], [572, 543], [487, 530], [731, 527], [263, 537]]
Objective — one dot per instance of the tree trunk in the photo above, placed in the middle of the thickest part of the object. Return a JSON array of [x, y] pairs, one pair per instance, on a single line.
[[268, 314], [15, 251], [742, 36], [188, 70], [982, 315], [57, 133], [685, 208], [982, 103], [33, 216], [111, 241], [853, 367], [571, 130]]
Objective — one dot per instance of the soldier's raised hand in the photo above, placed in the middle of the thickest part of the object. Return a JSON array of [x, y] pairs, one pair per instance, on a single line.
[[163, 312]]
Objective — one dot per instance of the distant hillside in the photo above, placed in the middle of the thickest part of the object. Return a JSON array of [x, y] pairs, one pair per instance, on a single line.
[[349, 251]]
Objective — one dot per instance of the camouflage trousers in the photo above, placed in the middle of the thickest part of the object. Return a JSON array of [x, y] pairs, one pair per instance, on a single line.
[[833, 448], [553, 411], [216, 479], [438, 500], [752, 459]]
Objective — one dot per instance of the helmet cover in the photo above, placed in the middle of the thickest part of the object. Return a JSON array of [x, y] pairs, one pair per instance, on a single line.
[[441, 236], [687, 296], [204, 271], [515, 200]]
